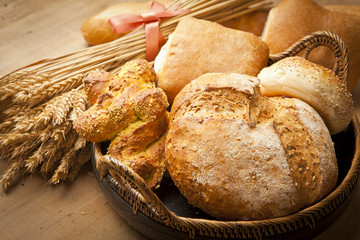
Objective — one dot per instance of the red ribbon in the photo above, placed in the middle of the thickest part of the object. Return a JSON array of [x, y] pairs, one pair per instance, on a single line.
[[154, 39]]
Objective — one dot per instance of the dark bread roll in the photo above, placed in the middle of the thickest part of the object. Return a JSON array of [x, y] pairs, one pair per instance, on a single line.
[[238, 155]]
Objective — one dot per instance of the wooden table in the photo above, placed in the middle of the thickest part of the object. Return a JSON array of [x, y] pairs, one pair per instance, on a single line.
[[31, 30]]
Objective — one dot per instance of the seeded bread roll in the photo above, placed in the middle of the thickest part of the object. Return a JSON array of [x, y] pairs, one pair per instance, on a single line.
[[198, 46], [132, 113], [238, 155], [312, 83]]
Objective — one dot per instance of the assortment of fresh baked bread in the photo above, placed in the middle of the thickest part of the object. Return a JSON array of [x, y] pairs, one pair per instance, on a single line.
[[242, 141]]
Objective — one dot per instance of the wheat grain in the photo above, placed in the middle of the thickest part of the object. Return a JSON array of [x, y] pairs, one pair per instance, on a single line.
[[55, 110], [67, 162], [21, 82], [83, 157], [10, 173], [23, 150], [22, 121], [50, 164], [49, 150], [7, 125], [80, 104], [14, 110], [63, 107], [50, 89], [10, 139]]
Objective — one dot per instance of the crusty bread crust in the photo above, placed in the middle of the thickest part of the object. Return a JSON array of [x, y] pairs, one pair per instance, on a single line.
[[294, 19], [199, 46], [241, 156]]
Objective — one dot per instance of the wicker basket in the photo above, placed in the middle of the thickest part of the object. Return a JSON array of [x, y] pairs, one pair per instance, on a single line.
[[165, 214]]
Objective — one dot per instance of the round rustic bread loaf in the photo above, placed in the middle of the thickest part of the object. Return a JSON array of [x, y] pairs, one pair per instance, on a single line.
[[238, 155]]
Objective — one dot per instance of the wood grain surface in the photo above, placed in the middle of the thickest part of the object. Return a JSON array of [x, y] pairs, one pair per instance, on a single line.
[[32, 30]]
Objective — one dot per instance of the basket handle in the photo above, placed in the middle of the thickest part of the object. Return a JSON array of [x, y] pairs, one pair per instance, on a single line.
[[136, 186], [320, 38]]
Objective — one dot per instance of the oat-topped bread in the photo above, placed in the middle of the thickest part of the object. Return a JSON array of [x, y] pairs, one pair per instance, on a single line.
[[198, 46], [241, 156], [131, 112]]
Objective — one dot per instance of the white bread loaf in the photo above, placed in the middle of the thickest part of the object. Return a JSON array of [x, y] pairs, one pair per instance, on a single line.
[[238, 155], [312, 83]]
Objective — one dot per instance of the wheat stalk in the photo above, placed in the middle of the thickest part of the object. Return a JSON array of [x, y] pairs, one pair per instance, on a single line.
[[81, 159], [44, 98], [51, 164], [10, 173], [68, 161]]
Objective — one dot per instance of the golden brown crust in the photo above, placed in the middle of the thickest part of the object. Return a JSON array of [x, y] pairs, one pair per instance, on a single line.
[[142, 148], [95, 83], [292, 20], [239, 156], [198, 46], [131, 112], [116, 106], [96, 30]]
